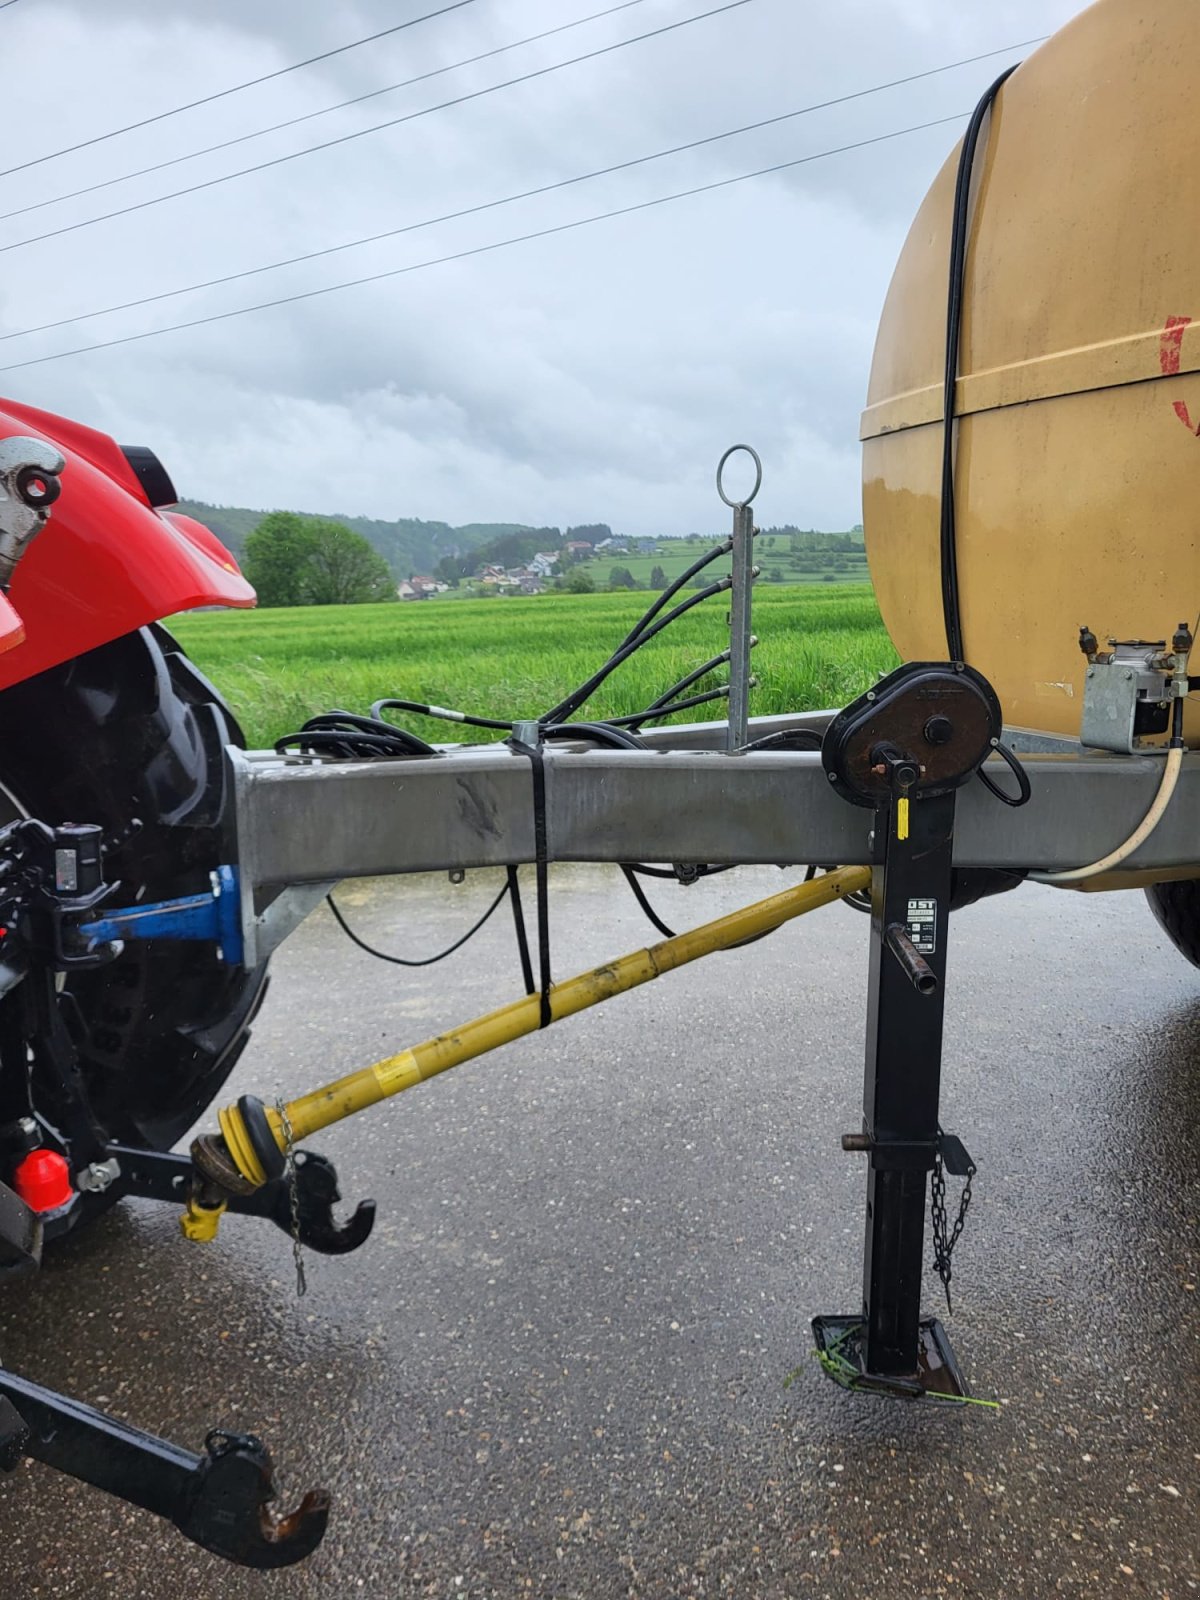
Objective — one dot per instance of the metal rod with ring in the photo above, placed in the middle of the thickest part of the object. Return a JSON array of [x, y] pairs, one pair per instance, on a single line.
[[744, 573]]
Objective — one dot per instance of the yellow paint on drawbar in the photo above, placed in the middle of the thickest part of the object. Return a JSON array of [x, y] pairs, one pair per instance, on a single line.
[[902, 817]]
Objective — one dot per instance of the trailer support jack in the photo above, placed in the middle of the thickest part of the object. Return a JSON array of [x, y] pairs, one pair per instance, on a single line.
[[903, 749]]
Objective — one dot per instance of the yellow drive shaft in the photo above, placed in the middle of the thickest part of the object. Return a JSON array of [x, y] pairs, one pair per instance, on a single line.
[[394, 1074]]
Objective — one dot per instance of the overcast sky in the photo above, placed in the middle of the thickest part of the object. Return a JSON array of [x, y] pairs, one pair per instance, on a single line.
[[592, 376]]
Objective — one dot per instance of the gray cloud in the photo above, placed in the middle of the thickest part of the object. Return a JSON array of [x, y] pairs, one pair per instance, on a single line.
[[595, 374]]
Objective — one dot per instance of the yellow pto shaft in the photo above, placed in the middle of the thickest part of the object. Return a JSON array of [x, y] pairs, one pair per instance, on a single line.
[[396, 1073]]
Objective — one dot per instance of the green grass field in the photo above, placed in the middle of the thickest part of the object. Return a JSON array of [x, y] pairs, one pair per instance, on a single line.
[[821, 644]]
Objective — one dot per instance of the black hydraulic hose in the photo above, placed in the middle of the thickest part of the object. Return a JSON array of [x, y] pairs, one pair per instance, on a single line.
[[951, 608], [417, 708], [571, 704], [345, 734], [1024, 791], [668, 709], [673, 589], [597, 732], [690, 678]]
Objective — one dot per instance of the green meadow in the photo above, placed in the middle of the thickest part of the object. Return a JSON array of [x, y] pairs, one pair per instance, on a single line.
[[820, 644]]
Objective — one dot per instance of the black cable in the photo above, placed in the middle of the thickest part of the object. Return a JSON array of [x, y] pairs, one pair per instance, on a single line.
[[951, 609], [632, 873], [536, 755], [518, 911], [701, 870], [787, 739], [401, 961], [1018, 771], [378, 127], [639, 894], [480, 250], [585, 690], [325, 111], [351, 737], [221, 94]]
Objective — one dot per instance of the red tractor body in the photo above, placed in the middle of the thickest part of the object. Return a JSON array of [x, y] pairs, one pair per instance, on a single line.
[[108, 562]]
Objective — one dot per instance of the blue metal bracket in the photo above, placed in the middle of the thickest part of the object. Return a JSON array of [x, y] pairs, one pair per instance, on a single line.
[[215, 916]]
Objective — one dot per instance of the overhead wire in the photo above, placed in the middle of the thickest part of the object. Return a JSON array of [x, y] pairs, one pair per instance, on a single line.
[[325, 111], [222, 94], [377, 127], [485, 249], [465, 211]]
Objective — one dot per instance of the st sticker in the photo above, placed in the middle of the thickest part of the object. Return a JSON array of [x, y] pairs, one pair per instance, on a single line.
[[922, 925]]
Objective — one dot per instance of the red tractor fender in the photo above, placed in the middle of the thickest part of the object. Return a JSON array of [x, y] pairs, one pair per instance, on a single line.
[[108, 561]]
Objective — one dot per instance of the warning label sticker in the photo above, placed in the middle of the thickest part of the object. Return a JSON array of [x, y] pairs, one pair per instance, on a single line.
[[922, 925]]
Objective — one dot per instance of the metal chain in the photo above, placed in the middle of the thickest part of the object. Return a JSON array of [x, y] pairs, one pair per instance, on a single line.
[[943, 1242], [289, 1157]]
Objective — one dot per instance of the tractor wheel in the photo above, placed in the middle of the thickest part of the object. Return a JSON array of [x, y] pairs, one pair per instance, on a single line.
[[1177, 907], [133, 730]]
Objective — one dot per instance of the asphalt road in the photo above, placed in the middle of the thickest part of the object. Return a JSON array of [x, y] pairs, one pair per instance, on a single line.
[[557, 1368]]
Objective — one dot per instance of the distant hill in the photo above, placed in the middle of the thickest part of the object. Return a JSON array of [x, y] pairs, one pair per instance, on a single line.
[[407, 545]]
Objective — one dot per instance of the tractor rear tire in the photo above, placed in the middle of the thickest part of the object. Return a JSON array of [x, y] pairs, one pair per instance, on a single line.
[[133, 730]]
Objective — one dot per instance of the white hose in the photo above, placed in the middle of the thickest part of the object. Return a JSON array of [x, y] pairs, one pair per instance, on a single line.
[[1141, 833]]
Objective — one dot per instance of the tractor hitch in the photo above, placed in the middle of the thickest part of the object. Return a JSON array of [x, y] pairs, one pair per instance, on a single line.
[[179, 1179], [220, 1499]]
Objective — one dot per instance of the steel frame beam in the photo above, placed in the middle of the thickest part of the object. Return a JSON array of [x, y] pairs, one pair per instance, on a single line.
[[312, 822]]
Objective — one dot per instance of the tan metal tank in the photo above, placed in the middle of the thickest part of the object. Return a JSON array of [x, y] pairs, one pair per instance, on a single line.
[[1077, 480]]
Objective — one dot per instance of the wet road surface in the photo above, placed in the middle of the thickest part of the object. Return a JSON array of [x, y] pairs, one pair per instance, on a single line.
[[557, 1368]]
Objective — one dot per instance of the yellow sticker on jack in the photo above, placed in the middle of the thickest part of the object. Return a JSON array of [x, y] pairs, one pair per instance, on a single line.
[[902, 817]]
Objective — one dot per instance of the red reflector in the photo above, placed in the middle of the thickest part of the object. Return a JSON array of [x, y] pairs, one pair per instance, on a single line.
[[43, 1180]]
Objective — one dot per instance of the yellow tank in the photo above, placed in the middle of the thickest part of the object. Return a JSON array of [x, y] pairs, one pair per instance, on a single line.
[[1077, 478]]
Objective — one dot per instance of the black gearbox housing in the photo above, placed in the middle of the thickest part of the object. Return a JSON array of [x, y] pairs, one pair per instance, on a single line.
[[944, 715]]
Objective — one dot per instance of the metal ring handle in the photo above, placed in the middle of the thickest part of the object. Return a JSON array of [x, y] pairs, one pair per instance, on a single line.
[[732, 451]]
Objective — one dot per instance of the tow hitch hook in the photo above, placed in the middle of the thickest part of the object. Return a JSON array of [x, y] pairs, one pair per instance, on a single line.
[[220, 1500]]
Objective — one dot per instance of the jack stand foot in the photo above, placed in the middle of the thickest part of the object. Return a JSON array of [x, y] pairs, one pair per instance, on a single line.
[[841, 1350]]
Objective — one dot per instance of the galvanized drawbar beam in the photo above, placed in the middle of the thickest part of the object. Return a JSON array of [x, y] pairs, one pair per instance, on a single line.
[[310, 823]]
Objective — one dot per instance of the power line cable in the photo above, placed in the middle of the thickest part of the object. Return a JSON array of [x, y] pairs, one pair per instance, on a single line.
[[485, 249], [309, 116], [221, 94], [467, 211], [361, 133]]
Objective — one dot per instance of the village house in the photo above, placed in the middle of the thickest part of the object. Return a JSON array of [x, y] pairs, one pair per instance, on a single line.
[[420, 588]]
